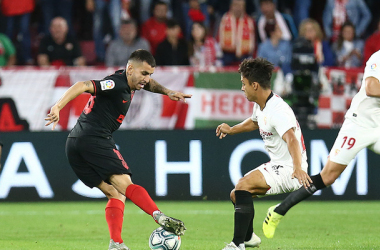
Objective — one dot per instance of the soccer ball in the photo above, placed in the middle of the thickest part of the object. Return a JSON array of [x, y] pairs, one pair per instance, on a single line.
[[160, 239]]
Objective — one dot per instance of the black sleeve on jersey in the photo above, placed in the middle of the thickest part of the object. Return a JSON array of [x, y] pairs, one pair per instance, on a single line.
[[108, 85]]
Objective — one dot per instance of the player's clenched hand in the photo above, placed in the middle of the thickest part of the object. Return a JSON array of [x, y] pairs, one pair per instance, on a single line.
[[177, 96], [53, 117], [302, 176], [222, 130]]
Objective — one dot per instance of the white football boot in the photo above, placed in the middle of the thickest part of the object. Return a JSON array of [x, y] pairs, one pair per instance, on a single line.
[[232, 246], [122, 246], [253, 242], [117, 246]]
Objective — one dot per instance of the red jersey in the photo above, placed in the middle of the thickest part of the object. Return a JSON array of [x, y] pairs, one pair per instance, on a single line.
[[154, 32], [15, 8], [371, 46]]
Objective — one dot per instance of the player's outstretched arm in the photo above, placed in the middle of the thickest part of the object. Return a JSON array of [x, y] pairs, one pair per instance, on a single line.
[[294, 149], [155, 87], [75, 90], [245, 126]]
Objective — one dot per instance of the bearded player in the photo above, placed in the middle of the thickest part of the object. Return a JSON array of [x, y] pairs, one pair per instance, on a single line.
[[91, 149]]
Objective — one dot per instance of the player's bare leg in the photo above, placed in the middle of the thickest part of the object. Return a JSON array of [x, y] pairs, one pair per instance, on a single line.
[[114, 215], [327, 177], [140, 197], [331, 172], [248, 187]]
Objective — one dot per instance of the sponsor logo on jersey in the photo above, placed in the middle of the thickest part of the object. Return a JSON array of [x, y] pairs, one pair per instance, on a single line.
[[373, 66], [265, 134], [107, 84]]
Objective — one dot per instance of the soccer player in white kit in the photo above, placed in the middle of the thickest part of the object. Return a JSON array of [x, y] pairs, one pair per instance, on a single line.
[[361, 129], [283, 141]]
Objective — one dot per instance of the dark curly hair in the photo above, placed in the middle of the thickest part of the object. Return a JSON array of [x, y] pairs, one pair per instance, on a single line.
[[257, 70]]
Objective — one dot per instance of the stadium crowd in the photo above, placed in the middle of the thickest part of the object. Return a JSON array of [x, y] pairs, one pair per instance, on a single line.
[[340, 33]]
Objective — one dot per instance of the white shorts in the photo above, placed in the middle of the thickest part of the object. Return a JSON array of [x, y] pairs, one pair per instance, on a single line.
[[279, 178], [351, 139]]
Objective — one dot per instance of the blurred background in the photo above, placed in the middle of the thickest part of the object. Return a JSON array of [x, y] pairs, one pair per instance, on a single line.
[[319, 48]]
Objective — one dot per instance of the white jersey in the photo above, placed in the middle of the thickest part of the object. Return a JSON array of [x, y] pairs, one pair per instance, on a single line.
[[365, 110], [274, 120]]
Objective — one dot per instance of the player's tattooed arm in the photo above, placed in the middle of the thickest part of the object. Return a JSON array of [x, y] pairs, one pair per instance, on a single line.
[[89, 87], [155, 87]]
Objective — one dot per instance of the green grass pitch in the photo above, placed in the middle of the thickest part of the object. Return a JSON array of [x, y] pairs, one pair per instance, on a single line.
[[81, 225]]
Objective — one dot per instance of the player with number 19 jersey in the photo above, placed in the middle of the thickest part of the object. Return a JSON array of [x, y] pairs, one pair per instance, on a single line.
[[361, 128], [107, 108], [365, 110]]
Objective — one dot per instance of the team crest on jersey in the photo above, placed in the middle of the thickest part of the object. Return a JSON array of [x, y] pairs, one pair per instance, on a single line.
[[107, 84], [373, 66], [336, 152]]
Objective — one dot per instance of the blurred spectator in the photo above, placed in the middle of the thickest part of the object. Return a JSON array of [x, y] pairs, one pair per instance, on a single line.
[[58, 48], [221, 7], [126, 9], [169, 4], [154, 30], [347, 48], [173, 50], [18, 12], [217, 9], [119, 50], [217, 6], [98, 7], [193, 11], [236, 34], [311, 30], [145, 10], [301, 11], [203, 50], [338, 11], [7, 51], [54, 8], [372, 44], [275, 49], [271, 15]]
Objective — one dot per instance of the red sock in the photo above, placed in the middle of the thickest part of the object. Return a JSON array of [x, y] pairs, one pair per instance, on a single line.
[[114, 218], [138, 195]]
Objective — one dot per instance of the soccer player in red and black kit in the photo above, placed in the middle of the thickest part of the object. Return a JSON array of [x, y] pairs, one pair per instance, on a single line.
[[91, 149]]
